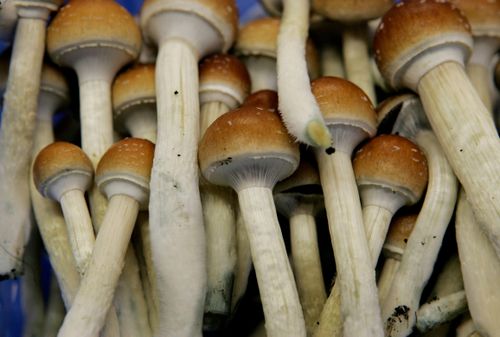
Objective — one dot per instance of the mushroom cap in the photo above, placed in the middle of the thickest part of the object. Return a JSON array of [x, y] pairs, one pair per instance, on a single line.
[[91, 24], [415, 36], [392, 162], [246, 146], [265, 99], [126, 169], [53, 81], [225, 78], [342, 102], [483, 16], [398, 234], [60, 167], [351, 10], [222, 15], [136, 86]]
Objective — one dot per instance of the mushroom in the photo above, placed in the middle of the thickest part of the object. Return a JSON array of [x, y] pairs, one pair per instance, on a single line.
[[480, 269], [483, 18], [355, 15], [224, 84], [257, 47], [123, 175], [300, 198], [249, 150], [391, 172], [393, 249], [134, 102], [8, 20], [298, 108], [16, 133], [185, 31], [63, 172], [403, 299], [351, 118], [422, 45]]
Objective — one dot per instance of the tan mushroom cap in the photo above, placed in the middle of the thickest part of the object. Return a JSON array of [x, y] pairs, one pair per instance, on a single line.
[[83, 23], [221, 14], [131, 159], [266, 99], [399, 233], [134, 86], [392, 162], [351, 10], [53, 81], [58, 160], [483, 16], [226, 74], [244, 137], [412, 27], [342, 102]]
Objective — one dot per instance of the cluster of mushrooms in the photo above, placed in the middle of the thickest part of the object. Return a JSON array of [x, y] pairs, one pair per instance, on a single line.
[[208, 149]]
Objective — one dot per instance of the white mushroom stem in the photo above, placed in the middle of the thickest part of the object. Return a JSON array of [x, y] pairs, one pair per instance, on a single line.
[[441, 310], [243, 261], [387, 274], [472, 148], [16, 135], [209, 112], [98, 285], [298, 107], [330, 321], [357, 59], [142, 124], [417, 263], [262, 71], [280, 300], [356, 275], [307, 264], [331, 61], [176, 221], [480, 270]]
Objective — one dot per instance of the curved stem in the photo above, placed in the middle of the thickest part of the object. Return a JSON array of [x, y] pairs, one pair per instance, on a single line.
[[176, 222], [376, 220], [357, 59], [280, 300], [356, 274], [480, 269], [16, 139], [472, 148], [417, 263], [441, 311], [87, 315], [307, 266]]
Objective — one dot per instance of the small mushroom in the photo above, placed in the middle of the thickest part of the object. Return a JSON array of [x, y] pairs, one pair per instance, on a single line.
[[422, 45], [480, 269], [351, 119], [249, 150], [300, 198], [123, 175], [17, 127]]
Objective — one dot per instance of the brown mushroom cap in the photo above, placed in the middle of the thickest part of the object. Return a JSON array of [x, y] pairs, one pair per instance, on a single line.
[[61, 162], [351, 10], [222, 15], [247, 144], [224, 77], [394, 163], [342, 102], [483, 16], [410, 30], [126, 169], [91, 24], [399, 233], [134, 86], [53, 81], [265, 99]]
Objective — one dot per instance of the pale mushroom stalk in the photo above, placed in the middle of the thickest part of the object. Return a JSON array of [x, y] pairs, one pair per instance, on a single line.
[[263, 72], [184, 32], [480, 269], [350, 121], [123, 174], [298, 107], [447, 95], [331, 61], [16, 134], [478, 69], [142, 125]]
